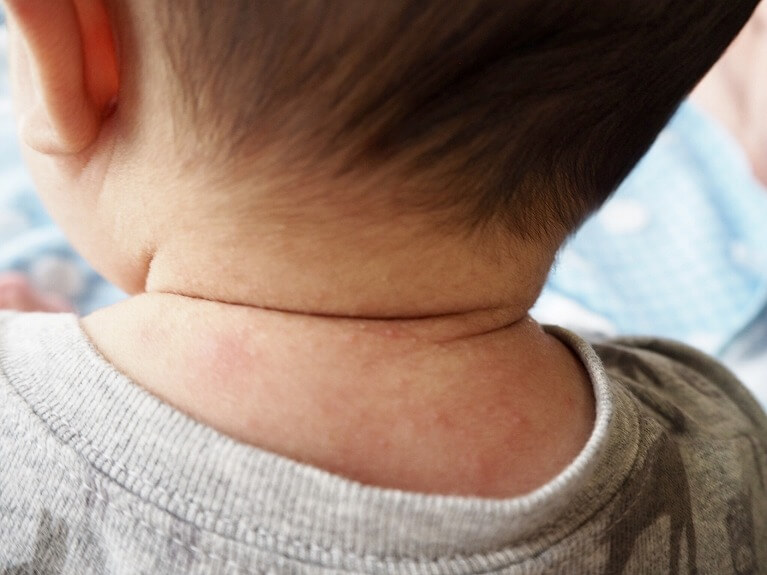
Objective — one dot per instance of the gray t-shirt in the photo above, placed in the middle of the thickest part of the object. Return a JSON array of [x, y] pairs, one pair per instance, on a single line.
[[99, 476]]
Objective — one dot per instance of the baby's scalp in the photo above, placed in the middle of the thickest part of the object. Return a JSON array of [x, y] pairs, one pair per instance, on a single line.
[[525, 114]]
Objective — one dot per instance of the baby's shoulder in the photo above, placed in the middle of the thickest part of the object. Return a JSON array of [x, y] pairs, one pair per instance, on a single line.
[[692, 394]]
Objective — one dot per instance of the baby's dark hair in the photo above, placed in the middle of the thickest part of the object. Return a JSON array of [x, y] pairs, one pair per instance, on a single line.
[[522, 113]]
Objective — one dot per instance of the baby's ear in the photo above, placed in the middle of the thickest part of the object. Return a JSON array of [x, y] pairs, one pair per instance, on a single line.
[[65, 71]]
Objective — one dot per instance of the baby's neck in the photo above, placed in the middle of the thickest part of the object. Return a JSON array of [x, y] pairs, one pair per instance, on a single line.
[[476, 403]]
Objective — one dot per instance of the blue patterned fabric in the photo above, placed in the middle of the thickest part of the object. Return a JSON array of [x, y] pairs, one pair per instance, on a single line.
[[680, 250], [29, 241]]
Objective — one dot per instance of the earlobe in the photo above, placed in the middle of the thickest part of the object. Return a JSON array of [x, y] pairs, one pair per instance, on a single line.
[[65, 67]]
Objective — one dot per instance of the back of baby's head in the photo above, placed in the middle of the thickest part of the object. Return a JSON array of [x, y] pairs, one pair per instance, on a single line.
[[523, 113]]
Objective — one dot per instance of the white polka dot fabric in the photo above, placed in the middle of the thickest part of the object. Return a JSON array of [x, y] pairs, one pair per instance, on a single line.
[[624, 216]]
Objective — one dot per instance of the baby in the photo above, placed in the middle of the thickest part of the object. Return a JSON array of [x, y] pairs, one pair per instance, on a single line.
[[334, 218]]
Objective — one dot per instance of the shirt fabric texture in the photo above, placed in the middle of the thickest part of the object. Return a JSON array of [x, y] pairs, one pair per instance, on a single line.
[[98, 476]]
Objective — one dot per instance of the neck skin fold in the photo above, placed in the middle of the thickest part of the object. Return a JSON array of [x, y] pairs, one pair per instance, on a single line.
[[378, 366]]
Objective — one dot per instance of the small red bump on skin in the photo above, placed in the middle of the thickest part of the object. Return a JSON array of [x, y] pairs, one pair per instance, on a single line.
[[217, 352], [228, 364], [213, 377]]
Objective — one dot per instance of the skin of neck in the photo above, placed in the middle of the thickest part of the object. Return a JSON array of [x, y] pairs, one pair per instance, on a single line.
[[388, 350]]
